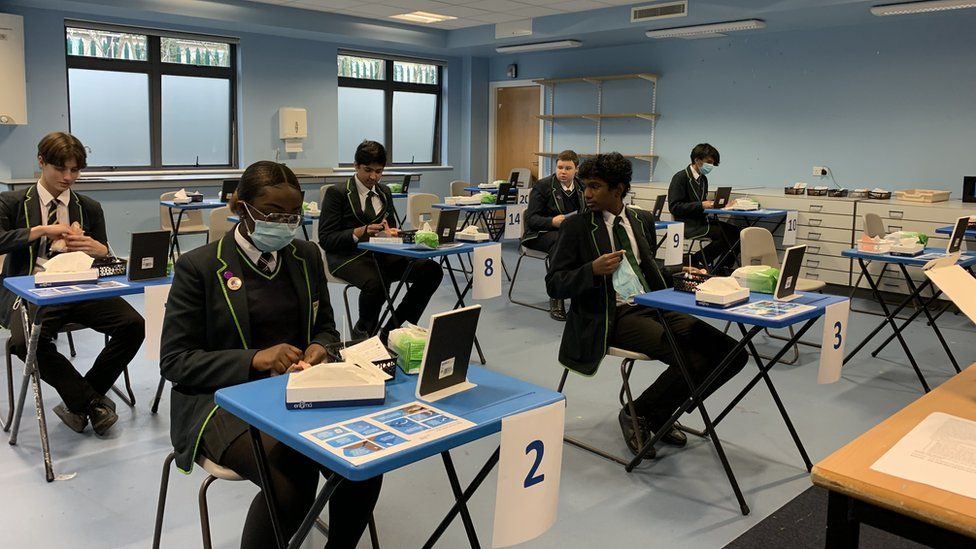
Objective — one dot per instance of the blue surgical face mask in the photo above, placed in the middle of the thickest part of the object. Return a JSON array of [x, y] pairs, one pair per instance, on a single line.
[[271, 236], [706, 168], [625, 281]]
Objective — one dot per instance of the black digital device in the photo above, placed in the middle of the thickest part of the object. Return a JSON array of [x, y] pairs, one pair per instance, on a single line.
[[969, 188], [958, 233], [447, 226], [149, 255], [722, 195], [789, 274], [406, 183], [513, 178], [227, 188], [504, 195], [659, 206], [444, 368]]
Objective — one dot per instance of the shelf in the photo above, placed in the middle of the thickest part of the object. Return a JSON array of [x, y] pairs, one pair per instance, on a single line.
[[597, 116], [597, 79], [642, 157]]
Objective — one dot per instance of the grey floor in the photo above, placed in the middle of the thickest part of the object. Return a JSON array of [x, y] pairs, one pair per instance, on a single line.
[[680, 500]]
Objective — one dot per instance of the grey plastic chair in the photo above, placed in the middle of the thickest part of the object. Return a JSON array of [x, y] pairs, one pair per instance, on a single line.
[[457, 188]]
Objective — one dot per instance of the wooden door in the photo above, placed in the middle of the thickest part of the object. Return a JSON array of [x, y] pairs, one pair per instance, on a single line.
[[516, 130]]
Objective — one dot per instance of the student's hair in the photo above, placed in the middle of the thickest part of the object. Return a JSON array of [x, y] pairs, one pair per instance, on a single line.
[[568, 156], [703, 151], [265, 173], [612, 168], [370, 152], [57, 148]]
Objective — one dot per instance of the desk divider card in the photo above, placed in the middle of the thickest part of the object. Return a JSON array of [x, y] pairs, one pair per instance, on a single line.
[[529, 468], [155, 310], [514, 214], [387, 432], [958, 284], [790, 228], [832, 343], [674, 244], [487, 272]]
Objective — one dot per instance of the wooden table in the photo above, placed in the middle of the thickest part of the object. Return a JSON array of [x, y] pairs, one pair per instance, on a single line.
[[916, 511]]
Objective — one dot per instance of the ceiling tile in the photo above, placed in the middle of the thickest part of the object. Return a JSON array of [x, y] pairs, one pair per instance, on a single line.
[[578, 5], [378, 10], [533, 11], [496, 17], [324, 5]]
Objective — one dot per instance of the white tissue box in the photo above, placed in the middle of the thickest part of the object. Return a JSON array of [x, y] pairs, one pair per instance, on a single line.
[[468, 200], [62, 278], [186, 200], [329, 385], [487, 185], [471, 237], [723, 299], [907, 251]]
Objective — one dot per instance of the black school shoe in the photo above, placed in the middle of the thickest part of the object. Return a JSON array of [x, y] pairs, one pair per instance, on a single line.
[[630, 436], [102, 417], [106, 401], [557, 310], [76, 422]]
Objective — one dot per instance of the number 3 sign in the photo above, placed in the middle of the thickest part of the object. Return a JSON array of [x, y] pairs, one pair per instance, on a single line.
[[528, 474], [833, 340]]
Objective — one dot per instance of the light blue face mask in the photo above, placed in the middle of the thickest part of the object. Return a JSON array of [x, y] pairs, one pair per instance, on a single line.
[[270, 236], [706, 168], [625, 281]]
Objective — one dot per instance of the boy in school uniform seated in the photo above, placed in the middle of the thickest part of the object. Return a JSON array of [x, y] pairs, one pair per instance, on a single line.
[[687, 196], [552, 199], [32, 220], [591, 247], [352, 213]]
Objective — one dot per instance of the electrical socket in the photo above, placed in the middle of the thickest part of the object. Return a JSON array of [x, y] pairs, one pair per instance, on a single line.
[[821, 170]]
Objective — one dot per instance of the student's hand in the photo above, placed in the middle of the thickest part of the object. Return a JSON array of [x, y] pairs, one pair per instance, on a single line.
[[87, 244], [606, 264], [558, 220], [277, 359], [315, 354], [707, 204], [367, 230], [299, 367], [52, 232]]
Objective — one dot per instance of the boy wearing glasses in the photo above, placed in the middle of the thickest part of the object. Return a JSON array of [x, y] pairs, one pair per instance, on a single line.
[[352, 213]]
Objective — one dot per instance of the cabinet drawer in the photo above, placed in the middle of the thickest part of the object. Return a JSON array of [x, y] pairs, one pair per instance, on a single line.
[[812, 261], [899, 211], [836, 221], [807, 235], [831, 249], [829, 276], [807, 204], [892, 225]]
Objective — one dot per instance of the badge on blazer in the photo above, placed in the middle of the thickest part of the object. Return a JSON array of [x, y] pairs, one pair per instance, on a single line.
[[233, 283]]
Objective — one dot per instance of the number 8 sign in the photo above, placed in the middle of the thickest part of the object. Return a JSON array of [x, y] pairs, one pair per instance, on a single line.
[[487, 272]]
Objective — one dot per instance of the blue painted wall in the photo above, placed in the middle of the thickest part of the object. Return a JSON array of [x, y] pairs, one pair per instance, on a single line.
[[890, 104]]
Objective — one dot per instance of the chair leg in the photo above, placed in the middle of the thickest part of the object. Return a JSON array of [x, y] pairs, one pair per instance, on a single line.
[[10, 392], [345, 300], [71, 345], [205, 512], [161, 504], [159, 394], [511, 287], [579, 443], [625, 368], [128, 397]]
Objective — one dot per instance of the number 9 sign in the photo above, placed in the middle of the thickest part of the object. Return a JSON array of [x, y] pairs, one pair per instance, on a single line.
[[674, 244]]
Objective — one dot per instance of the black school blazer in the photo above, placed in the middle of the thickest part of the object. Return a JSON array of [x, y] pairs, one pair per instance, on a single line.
[[342, 212], [21, 210], [591, 316], [206, 330], [546, 201], [685, 199]]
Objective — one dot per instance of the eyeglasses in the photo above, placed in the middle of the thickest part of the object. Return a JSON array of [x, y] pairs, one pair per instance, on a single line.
[[274, 217]]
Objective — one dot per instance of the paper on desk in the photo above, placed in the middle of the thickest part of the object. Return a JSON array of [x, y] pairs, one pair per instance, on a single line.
[[958, 284], [940, 451], [70, 262], [366, 352]]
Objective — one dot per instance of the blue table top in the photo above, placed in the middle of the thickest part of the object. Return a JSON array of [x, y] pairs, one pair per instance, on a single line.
[[471, 207], [658, 225], [306, 219], [262, 404], [401, 249], [489, 190], [966, 259], [204, 205], [399, 195], [763, 213], [684, 302], [21, 286], [970, 233]]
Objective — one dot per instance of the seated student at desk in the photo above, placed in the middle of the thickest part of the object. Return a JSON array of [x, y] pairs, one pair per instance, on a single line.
[[591, 248], [354, 212], [32, 220], [687, 201], [552, 199], [252, 305]]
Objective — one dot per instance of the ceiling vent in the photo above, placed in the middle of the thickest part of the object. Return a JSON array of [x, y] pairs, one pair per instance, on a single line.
[[653, 12]]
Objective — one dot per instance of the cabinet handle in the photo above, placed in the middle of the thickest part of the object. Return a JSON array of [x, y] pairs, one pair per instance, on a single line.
[[814, 249], [813, 263], [815, 221], [812, 237], [894, 228], [816, 207], [813, 275], [896, 214]]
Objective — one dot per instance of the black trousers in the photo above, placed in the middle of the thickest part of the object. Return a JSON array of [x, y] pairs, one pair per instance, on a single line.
[[113, 317], [703, 346], [723, 236], [295, 479], [545, 242], [425, 277]]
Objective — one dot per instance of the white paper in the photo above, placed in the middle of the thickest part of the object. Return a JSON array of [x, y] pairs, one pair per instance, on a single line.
[[959, 285], [790, 229], [674, 244], [529, 469], [833, 340], [69, 262], [940, 451], [523, 197], [487, 262], [363, 439], [514, 214], [155, 310]]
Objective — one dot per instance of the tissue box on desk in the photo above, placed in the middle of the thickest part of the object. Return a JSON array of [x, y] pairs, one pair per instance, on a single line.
[[45, 278], [333, 384]]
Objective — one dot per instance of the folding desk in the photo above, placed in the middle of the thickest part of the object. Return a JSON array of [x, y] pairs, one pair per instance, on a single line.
[[970, 233], [443, 254], [261, 404], [174, 222], [306, 221], [684, 302], [21, 286], [966, 261], [489, 190], [752, 217]]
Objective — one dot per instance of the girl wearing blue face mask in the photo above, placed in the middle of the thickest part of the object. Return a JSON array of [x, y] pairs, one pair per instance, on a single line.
[[687, 202], [251, 305]]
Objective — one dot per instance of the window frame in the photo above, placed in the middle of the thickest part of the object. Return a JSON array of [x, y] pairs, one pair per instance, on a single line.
[[155, 69], [389, 86]]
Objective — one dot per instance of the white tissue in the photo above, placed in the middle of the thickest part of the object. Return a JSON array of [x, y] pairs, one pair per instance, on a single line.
[[470, 230], [426, 227], [70, 262], [719, 285], [180, 194]]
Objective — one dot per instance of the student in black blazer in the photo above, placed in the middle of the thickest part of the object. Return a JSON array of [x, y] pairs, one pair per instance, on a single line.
[[687, 200], [31, 221], [354, 212], [251, 305], [591, 247], [551, 201]]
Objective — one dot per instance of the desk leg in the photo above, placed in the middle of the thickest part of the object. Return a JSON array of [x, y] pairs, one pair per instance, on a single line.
[[32, 333], [305, 230], [175, 224], [843, 528], [923, 305], [461, 499], [331, 483], [267, 485], [460, 299], [390, 298]]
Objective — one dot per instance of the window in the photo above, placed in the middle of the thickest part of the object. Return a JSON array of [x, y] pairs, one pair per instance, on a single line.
[[146, 99], [391, 100]]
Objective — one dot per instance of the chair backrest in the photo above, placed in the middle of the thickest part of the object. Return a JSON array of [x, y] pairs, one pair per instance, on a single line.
[[191, 218], [322, 190], [457, 188], [219, 224], [422, 204], [873, 225], [758, 247]]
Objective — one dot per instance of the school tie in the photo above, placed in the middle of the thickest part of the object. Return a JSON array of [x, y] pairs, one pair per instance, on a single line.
[[52, 219], [266, 263], [369, 210], [622, 242]]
